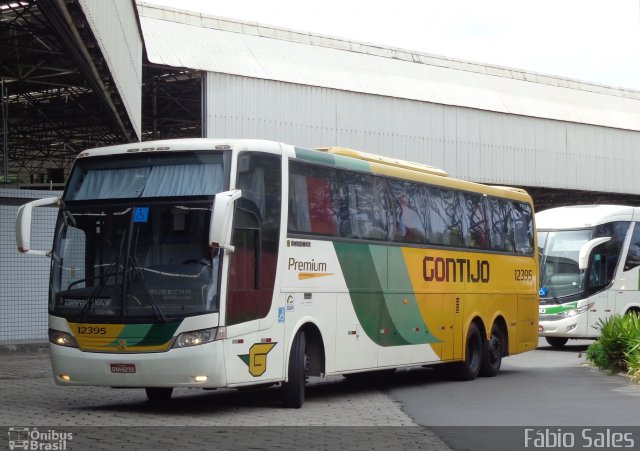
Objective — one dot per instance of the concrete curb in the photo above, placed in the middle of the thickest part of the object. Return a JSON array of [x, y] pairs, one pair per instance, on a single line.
[[621, 374]]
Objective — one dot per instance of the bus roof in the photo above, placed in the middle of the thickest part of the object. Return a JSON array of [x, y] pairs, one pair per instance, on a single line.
[[183, 144], [338, 156], [406, 170], [384, 160], [581, 216]]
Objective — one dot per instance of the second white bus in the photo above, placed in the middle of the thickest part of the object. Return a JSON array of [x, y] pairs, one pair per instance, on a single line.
[[589, 268]]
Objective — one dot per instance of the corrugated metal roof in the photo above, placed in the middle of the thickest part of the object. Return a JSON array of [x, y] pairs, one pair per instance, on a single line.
[[184, 39], [114, 24]]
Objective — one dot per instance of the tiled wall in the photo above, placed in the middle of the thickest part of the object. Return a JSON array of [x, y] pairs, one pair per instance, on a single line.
[[24, 279]]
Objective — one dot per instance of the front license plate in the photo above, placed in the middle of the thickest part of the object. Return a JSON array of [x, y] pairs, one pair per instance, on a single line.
[[123, 368]]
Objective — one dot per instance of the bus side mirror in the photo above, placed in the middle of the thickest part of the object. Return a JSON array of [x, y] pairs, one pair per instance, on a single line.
[[23, 224], [220, 226], [587, 248]]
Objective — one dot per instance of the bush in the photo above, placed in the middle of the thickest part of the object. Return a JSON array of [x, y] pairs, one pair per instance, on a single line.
[[633, 360], [618, 348]]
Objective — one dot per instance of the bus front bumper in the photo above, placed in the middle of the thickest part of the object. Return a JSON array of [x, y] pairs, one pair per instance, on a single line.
[[196, 366], [570, 327]]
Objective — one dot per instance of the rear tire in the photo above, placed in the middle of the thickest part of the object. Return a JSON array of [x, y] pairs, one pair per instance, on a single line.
[[158, 394], [492, 352], [557, 342], [293, 389], [470, 367]]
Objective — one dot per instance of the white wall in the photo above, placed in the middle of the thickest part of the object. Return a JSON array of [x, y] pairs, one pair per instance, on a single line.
[[472, 144], [24, 279]]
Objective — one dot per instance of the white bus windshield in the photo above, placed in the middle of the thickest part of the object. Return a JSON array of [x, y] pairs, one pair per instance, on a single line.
[[559, 271], [108, 265], [132, 237]]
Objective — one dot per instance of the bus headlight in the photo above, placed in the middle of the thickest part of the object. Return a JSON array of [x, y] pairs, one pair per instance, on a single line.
[[62, 338], [199, 337]]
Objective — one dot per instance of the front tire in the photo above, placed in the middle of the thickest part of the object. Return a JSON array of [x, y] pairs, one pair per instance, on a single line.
[[557, 342], [158, 394], [492, 352], [293, 389], [468, 369]]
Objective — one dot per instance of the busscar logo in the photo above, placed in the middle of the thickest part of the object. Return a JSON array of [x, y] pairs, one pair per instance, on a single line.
[[296, 243], [31, 438]]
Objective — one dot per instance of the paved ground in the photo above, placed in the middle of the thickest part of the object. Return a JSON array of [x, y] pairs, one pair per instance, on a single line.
[[343, 416], [545, 390]]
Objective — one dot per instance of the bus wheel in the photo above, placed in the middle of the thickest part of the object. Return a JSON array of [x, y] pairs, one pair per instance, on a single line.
[[293, 390], [633, 311], [156, 394], [557, 342], [470, 367], [492, 353]]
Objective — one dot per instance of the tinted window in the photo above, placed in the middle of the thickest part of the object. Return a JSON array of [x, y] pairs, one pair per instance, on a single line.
[[475, 221], [633, 255]]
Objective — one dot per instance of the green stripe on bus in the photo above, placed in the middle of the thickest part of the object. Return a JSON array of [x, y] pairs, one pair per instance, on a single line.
[[384, 317], [558, 308], [159, 334], [146, 334], [316, 156], [352, 164], [403, 307]]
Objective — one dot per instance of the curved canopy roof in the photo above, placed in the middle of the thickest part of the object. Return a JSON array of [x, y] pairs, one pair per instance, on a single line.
[[184, 39]]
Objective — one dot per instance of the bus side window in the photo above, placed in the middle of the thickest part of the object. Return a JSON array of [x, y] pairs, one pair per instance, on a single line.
[[500, 220], [475, 221], [445, 217], [299, 220], [320, 194], [312, 200], [633, 255], [598, 270], [617, 231], [361, 215], [410, 211], [522, 227]]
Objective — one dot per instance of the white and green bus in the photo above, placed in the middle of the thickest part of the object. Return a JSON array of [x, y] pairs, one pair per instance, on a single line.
[[589, 268], [230, 263]]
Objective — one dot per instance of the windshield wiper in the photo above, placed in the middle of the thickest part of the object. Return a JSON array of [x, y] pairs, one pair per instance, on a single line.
[[112, 271], [145, 288]]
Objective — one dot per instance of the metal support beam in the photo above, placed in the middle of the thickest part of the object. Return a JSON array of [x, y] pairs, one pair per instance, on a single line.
[[5, 131]]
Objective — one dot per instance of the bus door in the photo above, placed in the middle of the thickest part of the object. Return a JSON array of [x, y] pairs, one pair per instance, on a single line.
[[601, 274], [627, 293], [598, 310], [256, 334]]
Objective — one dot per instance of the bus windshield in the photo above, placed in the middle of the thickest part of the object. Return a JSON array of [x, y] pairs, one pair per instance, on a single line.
[[146, 264], [132, 238], [560, 274]]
